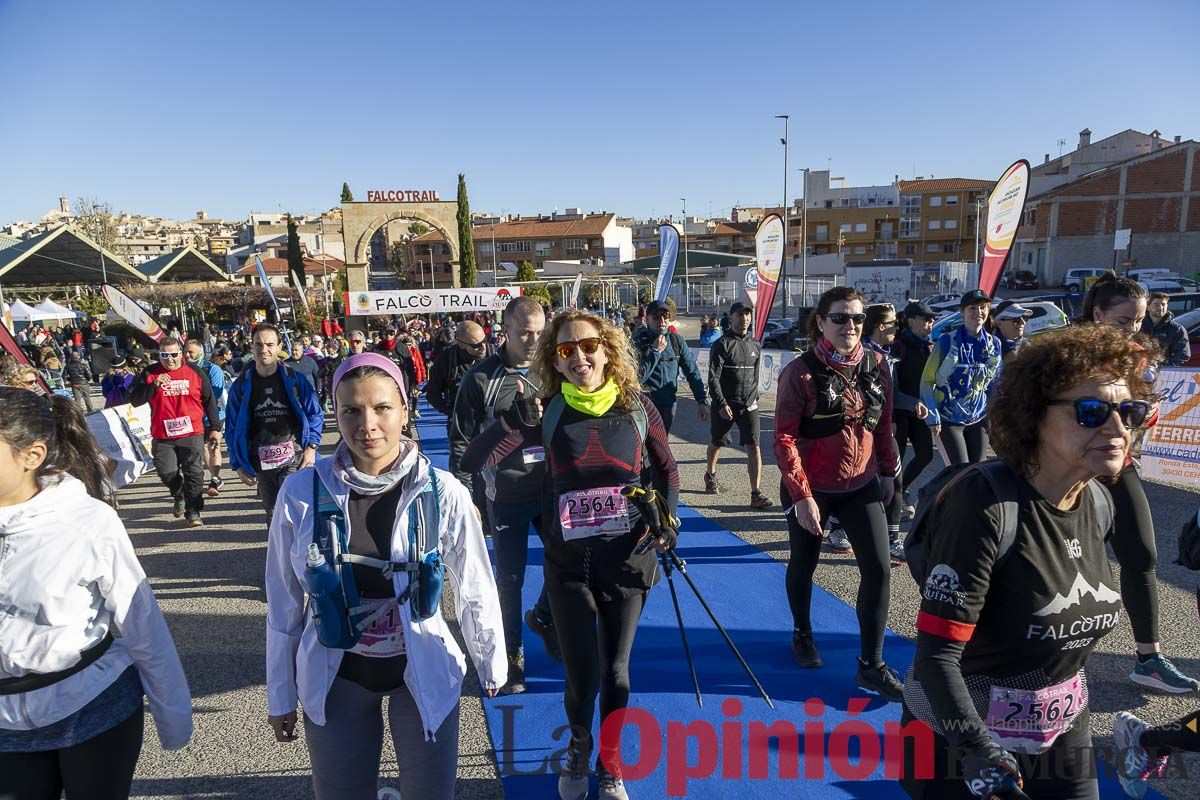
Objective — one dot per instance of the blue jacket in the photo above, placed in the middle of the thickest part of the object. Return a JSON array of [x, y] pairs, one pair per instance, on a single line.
[[659, 371], [237, 418], [958, 377], [216, 379], [709, 336]]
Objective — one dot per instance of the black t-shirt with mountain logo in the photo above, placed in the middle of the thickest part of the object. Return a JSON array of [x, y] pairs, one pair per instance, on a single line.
[[272, 418]]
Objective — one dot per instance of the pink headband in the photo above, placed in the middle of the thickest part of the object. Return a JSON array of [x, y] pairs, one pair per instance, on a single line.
[[370, 360]]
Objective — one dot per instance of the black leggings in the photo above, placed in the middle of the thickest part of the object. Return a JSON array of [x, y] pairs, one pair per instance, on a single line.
[[911, 429], [1179, 735], [861, 515], [965, 444], [595, 656], [99, 769], [1133, 543]]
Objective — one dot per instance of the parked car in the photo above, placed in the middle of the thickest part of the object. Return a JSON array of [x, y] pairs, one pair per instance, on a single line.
[[1180, 304], [1147, 272], [1170, 285], [1191, 322], [1070, 303], [1076, 279], [943, 302], [1021, 279], [1046, 317], [777, 324], [794, 337]]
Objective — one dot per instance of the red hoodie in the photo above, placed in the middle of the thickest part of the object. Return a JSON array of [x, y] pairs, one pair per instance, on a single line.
[[178, 409]]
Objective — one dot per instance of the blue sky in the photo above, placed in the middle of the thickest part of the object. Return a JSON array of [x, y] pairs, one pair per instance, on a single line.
[[169, 107]]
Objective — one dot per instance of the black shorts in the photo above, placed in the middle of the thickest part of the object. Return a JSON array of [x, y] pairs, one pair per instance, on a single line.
[[745, 420]]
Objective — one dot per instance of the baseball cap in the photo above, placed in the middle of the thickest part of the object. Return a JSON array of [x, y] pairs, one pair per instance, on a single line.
[[657, 307], [1010, 309], [739, 306], [918, 309], [116, 362], [974, 297]]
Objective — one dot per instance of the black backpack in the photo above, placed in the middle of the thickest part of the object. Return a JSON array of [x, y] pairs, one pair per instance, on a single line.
[[1003, 483], [1189, 545]]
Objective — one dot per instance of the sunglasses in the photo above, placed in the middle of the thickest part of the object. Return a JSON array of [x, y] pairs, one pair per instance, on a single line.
[[165, 356], [472, 345], [841, 318], [588, 346], [30, 382], [1092, 412]]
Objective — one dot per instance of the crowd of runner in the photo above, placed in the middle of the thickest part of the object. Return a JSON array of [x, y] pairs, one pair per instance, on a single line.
[[550, 418]]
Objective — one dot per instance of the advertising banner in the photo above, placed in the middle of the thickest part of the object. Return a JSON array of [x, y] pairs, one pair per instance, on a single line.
[[1171, 449], [429, 301], [768, 245], [127, 309], [1005, 207], [668, 254], [123, 435]]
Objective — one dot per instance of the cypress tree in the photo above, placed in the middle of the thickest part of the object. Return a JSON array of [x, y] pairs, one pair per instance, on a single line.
[[347, 197], [295, 258], [466, 241]]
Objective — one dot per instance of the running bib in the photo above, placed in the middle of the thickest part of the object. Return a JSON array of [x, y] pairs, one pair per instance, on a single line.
[[384, 635], [274, 456], [533, 455], [1028, 721], [180, 426], [593, 512]]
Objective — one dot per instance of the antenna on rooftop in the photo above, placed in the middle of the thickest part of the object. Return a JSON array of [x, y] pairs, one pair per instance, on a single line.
[[1061, 144]]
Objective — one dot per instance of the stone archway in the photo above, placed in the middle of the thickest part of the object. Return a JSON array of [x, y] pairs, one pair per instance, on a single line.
[[360, 221]]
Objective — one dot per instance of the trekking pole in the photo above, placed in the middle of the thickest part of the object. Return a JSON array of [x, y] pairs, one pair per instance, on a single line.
[[681, 565], [667, 570]]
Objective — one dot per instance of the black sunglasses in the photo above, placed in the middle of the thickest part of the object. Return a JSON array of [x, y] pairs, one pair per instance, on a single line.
[[1092, 412], [472, 345], [841, 318]]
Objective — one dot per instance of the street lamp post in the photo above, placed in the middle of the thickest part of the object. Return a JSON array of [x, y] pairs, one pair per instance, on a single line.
[[687, 299], [783, 260], [495, 280], [804, 242]]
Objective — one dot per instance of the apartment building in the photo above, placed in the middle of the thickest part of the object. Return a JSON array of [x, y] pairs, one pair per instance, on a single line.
[[938, 218]]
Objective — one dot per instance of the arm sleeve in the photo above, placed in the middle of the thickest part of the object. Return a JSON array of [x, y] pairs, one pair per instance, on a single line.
[[791, 406], [886, 453], [493, 444], [666, 471], [285, 608], [716, 362], [690, 371], [928, 389], [475, 599], [466, 421], [140, 624]]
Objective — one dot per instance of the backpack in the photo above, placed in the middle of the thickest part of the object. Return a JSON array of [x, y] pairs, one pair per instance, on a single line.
[[558, 404], [426, 571], [1003, 483], [829, 417], [1189, 544]]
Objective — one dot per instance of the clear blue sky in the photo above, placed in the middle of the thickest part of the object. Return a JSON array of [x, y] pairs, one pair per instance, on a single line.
[[169, 107]]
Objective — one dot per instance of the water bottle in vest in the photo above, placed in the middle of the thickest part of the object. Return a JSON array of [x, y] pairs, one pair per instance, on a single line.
[[327, 602]]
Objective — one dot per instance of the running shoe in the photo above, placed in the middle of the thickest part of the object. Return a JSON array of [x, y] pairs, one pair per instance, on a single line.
[[545, 632], [1158, 672], [759, 500], [214, 487], [177, 511], [573, 774], [881, 680], [804, 650], [193, 519], [907, 513], [516, 675], [710, 484], [897, 552], [838, 542], [1134, 767], [611, 786]]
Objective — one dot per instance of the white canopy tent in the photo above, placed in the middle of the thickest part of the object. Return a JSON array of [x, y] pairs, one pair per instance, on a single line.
[[23, 312], [53, 310]]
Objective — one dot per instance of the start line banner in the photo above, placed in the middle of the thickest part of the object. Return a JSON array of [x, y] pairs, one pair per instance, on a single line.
[[429, 301], [1171, 449]]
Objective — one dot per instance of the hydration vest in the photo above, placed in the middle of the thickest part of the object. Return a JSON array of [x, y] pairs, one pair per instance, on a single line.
[[830, 417]]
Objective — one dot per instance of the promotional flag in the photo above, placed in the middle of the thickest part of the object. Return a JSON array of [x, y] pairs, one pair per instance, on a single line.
[[668, 254], [1004, 211], [575, 290], [768, 244], [127, 308]]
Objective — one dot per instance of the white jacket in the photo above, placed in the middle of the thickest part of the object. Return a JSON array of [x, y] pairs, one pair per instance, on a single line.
[[300, 668], [68, 577]]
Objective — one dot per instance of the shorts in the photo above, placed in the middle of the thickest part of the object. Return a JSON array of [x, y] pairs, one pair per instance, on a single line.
[[745, 419]]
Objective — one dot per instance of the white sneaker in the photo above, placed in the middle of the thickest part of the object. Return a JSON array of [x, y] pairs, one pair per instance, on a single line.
[[611, 787], [838, 542], [898, 552], [907, 513]]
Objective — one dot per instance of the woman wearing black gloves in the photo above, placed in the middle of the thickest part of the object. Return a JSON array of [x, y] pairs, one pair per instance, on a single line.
[[598, 432], [1010, 612]]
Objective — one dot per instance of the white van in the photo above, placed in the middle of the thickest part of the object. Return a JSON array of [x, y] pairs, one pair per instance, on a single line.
[[1076, 279]]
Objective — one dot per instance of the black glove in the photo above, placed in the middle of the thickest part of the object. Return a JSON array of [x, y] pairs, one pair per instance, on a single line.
[[523, 414], [662, 526], [992, 772]]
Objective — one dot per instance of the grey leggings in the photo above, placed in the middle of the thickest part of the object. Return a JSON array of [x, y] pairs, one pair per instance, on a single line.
[[345, 751]]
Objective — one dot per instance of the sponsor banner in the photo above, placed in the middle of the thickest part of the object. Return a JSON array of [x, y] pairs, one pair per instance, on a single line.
[[123, 434], [668, 254], [429, 301], [125, 307], [773, 362], [1171, 449], [1005, 207], [768, 246]]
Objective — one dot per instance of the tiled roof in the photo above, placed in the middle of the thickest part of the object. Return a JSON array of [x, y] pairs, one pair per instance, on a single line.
[[942, 185], [591, 225], [278, 266]]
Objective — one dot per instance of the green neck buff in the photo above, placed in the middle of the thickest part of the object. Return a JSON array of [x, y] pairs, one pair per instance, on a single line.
[[594, 403]]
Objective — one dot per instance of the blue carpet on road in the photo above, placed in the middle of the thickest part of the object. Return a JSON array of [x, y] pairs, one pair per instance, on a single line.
[[745, 588]]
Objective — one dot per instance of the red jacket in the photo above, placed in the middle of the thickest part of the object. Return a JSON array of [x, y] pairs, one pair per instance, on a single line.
[[843, 462], [418, 363]]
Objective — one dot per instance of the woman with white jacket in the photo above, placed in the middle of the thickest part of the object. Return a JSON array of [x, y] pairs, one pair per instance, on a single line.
[[376, 479], [81, 635]]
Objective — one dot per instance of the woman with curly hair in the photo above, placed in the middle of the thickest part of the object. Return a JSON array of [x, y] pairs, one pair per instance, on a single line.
[[1010, 612], [598, 432], [1120, 305]]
